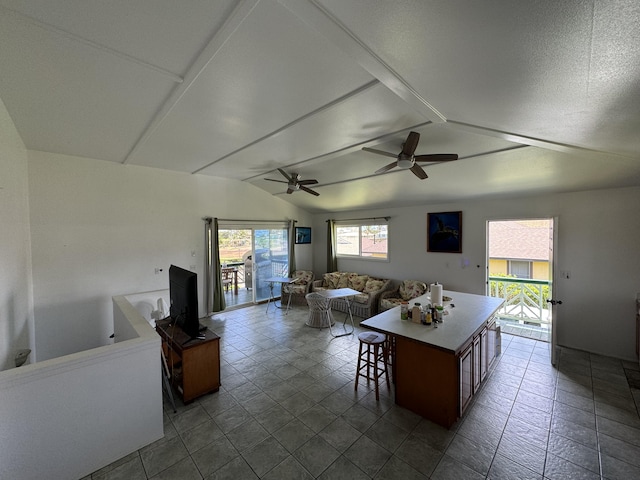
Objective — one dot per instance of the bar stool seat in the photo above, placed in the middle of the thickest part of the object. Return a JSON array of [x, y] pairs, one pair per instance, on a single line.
[[372, 356]]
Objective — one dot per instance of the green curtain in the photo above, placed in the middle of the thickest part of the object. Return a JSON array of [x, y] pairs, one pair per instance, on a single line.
[[208, 274], [292, 246], [219, 302], [332, 260]]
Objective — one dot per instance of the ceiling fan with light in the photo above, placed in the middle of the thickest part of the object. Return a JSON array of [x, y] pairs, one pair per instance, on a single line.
[[407, 160], [294, 182]]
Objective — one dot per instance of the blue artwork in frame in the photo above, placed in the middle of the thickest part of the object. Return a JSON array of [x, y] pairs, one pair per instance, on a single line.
[[444, 232], [303, 235]]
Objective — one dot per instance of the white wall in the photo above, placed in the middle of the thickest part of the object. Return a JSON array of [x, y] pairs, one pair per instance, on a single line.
[[599, 234], [100, 229], [16, 301], [69, 416]]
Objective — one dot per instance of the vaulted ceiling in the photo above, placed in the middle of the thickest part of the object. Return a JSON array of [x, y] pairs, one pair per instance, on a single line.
[[534, 97]]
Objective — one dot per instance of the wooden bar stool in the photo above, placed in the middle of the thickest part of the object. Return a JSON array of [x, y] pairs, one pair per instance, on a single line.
[[390, 345], [372, 353]]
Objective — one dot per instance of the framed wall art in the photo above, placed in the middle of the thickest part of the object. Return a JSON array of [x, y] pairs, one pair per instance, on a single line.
[[444, 232], [303, 235]]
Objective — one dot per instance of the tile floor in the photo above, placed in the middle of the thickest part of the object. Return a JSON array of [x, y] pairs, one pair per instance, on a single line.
[[287, 409], [527, 331]]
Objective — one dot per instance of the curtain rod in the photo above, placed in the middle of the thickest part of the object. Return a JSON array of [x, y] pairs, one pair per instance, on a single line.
[[207, 219], [354, 219]]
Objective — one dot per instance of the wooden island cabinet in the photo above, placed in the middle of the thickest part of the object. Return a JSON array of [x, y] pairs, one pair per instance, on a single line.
[[439, 370], [194, 364]]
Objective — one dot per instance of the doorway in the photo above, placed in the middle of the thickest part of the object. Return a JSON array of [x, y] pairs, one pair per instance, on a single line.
[[252, 254], [520, 269]]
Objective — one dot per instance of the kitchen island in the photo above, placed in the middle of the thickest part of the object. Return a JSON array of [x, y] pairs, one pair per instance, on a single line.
[[438, 369]]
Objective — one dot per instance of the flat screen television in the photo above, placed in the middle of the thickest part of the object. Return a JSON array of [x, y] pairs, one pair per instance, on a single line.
[[183, 295]]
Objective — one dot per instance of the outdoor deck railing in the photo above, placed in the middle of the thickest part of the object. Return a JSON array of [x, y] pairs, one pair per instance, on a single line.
[[525, 299], [274, 269], [279, 268]]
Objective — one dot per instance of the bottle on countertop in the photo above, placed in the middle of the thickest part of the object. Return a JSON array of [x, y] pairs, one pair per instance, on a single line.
[[415, 312], [404, 311]]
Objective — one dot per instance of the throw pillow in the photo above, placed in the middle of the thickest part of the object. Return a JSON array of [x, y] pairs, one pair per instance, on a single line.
[[358, 282], [343, 282], [410, 289], [303, 276], [373, 284], [334, 279]]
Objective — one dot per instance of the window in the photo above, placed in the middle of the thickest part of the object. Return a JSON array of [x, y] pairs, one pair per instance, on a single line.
[[520, 268], [366, 241]]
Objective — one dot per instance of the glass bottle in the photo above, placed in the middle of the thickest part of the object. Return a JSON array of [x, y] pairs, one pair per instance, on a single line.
[[415, 314], [404, 311]]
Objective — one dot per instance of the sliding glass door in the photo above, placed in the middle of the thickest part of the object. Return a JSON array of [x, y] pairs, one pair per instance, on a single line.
[[255, 253], [271, 259]]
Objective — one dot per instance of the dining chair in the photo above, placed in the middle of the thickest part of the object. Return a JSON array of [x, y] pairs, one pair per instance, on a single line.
[[227, 278]]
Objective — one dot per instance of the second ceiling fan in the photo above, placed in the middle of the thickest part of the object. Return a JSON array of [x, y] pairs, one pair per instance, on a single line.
[[407, 160]]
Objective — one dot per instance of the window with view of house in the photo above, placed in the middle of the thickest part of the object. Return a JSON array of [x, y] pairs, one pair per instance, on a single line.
[[366, 241], [520, 268], [519, 248]]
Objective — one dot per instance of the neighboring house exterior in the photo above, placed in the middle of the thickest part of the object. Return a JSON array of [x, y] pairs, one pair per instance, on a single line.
[[519, 248], [375, 247]]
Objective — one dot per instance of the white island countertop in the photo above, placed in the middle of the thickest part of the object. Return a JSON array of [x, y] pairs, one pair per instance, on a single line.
[[469, 313]]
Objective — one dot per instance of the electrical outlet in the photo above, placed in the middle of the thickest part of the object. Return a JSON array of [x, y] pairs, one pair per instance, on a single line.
[[158, 271], [565, 274]]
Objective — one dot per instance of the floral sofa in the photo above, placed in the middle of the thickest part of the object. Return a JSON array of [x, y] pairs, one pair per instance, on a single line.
[[406, 291], [363, 305], [298, 289]]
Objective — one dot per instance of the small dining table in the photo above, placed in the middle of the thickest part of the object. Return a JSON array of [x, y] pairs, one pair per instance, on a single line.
[[272, 298], [345, 293]]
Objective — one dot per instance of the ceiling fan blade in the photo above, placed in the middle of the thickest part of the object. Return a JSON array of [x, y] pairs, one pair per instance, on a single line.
[[419, 172], [386, 168], [436, 157], [380, 152], [272, 180], [307, 182], [410, 145], [308, 190], [285, 175]]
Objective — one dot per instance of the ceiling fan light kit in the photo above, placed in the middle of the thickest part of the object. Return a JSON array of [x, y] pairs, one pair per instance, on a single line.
[[406, 160]]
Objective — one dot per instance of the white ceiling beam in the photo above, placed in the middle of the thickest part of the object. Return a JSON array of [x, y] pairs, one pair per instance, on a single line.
[[217, 42], [318, 18], [531, 141]]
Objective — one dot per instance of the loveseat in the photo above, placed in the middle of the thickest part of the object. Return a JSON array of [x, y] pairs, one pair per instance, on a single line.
[[363, 305], [298, 289], [404, 292]]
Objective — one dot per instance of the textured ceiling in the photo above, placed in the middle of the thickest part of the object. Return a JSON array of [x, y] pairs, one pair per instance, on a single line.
[[534, 97]]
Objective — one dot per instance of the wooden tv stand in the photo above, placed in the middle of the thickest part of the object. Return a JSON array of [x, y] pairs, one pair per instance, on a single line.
[[194, 365]]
